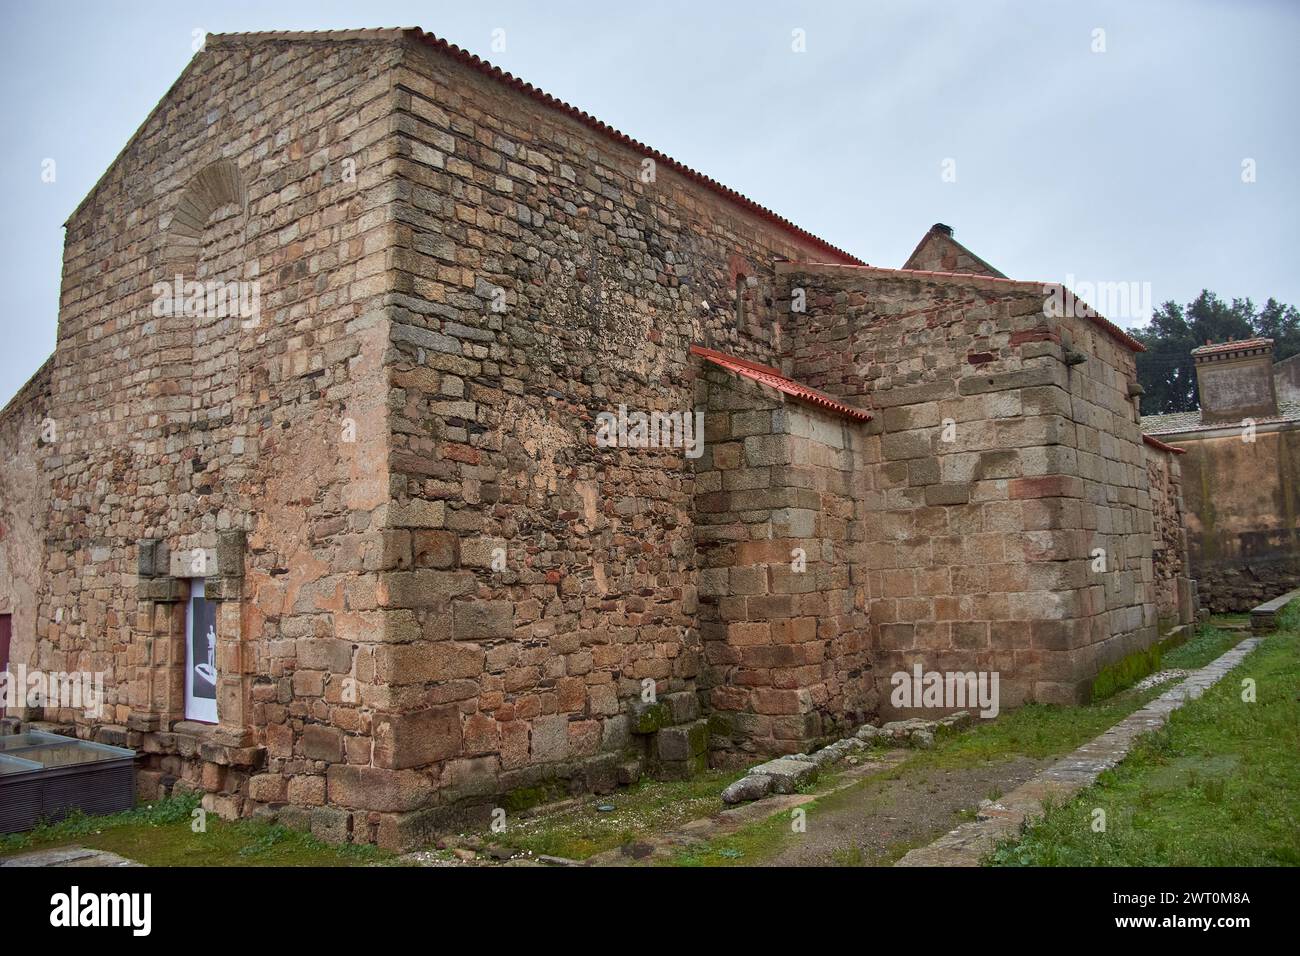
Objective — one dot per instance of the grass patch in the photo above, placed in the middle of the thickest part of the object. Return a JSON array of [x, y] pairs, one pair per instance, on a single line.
[[1035, 731], [746, 846], [1126, 672], [1218, 785], [160, 834], [849, 856], [648, 807], [1208, 644], [1177, 651], [766, 838]]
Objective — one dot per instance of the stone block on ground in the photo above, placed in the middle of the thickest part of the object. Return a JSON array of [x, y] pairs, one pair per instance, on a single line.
[[752, 787], [904, 732], [833, 753], [787, 775], [602, 773], [957, 721]]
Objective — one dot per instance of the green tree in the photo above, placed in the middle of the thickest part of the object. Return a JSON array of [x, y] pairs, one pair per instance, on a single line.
[[1281, 323], [1166, 371]]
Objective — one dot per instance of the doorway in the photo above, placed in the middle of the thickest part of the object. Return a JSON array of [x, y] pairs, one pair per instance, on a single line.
[[200, 656]]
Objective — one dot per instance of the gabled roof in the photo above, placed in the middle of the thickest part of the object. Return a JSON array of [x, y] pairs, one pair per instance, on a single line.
[[772, 377], [217, 41], [496, 73], [939, 237]]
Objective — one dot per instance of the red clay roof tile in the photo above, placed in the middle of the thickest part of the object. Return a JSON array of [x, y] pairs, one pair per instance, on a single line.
[[1163, 446], [772, 377], [1214, 347]]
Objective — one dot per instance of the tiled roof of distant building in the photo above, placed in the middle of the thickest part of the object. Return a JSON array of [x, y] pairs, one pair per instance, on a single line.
[[1177, 423]]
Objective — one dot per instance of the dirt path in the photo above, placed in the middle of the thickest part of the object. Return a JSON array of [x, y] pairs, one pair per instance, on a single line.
[[968, 844], [870, 824]]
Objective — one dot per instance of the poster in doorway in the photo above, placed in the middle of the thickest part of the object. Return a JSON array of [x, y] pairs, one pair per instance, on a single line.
[[201, 657]]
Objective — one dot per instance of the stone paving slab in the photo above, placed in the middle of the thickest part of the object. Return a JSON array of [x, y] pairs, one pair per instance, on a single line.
[[68, 856], [1009, 816]]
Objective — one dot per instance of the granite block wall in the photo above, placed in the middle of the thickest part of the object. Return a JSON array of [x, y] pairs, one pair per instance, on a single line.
[[782, 614], [1007, 527]]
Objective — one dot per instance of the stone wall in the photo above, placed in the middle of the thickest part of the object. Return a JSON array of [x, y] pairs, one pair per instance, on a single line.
[[1235, 381], [939, 252], [177, 429], [1173, 585], [455, 278], [23, 500], [533, 583], [784, 627], [1243, 514], [1286, 379], [1105, 449], [998, 470]]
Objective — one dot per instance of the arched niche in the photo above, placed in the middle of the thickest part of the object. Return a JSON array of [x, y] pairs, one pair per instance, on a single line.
[[217, 184]]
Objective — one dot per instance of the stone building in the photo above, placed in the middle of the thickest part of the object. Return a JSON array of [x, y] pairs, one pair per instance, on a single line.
[[1242, 473], [434, 577], [1286, 381]]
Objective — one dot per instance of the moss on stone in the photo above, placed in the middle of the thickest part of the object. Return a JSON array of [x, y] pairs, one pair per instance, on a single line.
[[720, 724], [525, 798], [1125, 672], [648, 718]]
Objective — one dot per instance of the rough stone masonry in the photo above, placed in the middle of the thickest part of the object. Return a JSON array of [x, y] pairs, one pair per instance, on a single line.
[[435, 592]]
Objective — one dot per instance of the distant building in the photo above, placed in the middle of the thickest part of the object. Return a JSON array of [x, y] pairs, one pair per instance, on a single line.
[[1241, 473]]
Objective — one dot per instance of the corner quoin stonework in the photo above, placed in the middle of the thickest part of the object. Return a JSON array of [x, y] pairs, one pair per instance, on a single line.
[[437, 594]]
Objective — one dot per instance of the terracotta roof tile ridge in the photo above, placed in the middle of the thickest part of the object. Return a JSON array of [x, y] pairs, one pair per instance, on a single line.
[[767, 375]]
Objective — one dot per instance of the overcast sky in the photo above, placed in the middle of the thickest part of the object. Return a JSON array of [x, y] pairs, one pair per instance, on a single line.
[[1122, 165]]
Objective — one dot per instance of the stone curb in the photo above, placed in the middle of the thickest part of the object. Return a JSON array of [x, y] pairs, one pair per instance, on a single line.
[[1264, 618], [1009, 816]]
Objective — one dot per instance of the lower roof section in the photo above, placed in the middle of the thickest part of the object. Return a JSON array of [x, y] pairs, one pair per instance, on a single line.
[[772, 377]]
